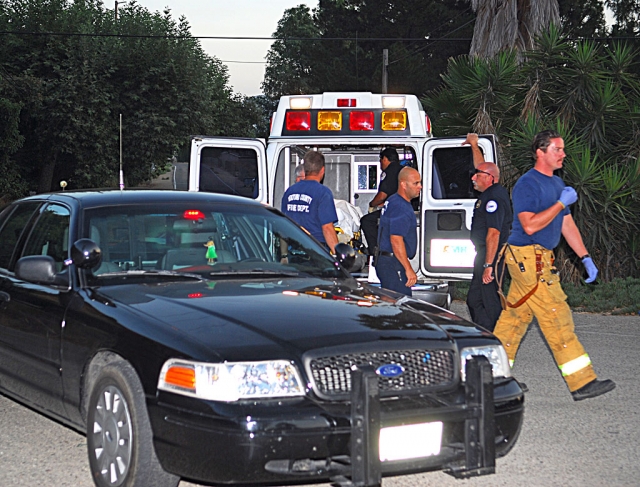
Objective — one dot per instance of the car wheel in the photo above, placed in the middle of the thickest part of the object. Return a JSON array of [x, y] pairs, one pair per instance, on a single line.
[[119, 439]]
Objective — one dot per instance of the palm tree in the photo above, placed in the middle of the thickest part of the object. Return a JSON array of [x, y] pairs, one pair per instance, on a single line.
[[506, 24]]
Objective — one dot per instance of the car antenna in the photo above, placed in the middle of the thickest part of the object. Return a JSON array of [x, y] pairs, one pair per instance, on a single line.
[[121, 173]]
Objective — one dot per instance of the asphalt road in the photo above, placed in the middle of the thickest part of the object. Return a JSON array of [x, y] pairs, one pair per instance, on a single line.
[[563, 443]]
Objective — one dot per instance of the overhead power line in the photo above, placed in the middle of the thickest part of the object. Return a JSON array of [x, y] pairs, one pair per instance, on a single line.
[[233, 38]]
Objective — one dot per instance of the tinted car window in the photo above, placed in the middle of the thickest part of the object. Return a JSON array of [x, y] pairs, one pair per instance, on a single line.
[[12, 230], [229, 171], [214, 238], [50, 234]]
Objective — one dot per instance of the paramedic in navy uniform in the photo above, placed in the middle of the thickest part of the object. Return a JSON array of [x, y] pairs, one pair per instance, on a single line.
[[398, 237], [490, 229], [390, 164], [310, 204]]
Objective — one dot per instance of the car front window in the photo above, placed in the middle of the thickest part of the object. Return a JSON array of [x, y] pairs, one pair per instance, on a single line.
[[208, 240]]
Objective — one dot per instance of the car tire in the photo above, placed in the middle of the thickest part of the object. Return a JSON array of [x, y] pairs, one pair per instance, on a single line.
[[119, 438]]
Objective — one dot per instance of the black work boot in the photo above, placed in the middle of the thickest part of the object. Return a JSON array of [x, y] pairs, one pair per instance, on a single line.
[[594, 388]]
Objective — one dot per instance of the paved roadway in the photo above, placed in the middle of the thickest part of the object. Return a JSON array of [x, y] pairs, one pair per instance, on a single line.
[[590, 443]]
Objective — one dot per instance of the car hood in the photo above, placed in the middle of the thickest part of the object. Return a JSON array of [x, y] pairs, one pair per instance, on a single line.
[[233, 318]]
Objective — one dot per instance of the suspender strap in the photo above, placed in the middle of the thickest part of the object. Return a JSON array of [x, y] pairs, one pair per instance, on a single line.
[[499, 277]]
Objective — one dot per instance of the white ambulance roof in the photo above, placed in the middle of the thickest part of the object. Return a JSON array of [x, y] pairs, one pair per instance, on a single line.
[[416, 116]]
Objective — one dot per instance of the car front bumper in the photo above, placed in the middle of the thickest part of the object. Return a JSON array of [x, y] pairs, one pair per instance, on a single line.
[[304, 441]]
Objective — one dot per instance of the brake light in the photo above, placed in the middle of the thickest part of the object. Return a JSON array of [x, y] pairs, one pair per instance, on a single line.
[[394, 120], [347, 102], [193, 215], [361, 121], [329, 120], [298, 121]]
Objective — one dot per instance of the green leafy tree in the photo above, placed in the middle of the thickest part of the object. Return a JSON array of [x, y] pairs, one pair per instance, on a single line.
[[83, 76], [351, 37], [582, 18]]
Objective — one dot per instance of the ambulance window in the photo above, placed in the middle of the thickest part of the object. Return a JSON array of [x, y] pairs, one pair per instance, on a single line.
[[367, 177], [229, 171], [337, 175], [452, 171]]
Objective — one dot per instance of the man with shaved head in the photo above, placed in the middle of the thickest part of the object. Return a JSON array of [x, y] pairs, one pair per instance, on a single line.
[[398, 238], [490, 229]]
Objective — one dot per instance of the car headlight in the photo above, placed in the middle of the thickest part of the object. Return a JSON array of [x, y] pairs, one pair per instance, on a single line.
[[496, 355], [231, 381]]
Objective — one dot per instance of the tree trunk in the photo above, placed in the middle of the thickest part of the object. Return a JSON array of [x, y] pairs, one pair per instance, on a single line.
[[507, 24], [46, 175]]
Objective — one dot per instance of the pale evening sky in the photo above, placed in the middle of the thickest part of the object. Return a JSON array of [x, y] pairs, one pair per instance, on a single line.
[[237, 18]]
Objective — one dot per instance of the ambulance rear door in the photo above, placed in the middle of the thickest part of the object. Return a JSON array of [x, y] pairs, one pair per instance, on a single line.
[[447, 204], [229, 165]]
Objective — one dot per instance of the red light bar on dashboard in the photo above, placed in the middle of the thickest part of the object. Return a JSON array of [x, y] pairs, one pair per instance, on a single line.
[[347, 102], [361, 121], [298, 121], [193, 215]]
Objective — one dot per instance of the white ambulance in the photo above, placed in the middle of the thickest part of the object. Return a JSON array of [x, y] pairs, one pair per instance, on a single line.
[[351, 129]]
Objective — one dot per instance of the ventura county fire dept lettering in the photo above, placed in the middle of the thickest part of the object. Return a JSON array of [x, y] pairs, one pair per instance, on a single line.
[[299, 208]]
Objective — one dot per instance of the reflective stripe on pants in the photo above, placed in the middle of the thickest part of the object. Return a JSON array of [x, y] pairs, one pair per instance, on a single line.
[[549, 305]]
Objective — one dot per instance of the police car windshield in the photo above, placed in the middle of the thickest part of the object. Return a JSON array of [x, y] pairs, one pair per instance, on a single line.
[[222, 239]]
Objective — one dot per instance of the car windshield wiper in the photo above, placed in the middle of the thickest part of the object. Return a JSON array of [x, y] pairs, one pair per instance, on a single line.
[[253, 272], [160, 273]]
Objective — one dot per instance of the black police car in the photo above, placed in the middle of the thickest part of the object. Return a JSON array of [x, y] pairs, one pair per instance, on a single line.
[[208, 337]]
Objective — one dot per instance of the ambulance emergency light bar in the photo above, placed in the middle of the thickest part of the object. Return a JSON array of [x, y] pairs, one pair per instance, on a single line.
[[298, 119], [359, 114]]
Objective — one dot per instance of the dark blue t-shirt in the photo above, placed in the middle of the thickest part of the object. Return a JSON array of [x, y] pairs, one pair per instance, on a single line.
[[310, 205], [535, 192], [398, 218]]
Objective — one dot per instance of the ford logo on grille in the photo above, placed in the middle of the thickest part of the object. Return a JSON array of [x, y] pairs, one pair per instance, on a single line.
[[390, 370]]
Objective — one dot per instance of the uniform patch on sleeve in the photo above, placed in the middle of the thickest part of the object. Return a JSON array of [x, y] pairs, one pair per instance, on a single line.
[[491, 206]]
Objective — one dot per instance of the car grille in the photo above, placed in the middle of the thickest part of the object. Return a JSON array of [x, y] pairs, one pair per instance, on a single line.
[[423, 369]]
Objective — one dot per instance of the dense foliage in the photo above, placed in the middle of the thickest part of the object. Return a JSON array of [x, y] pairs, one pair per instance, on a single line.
[[338, 46], [67, 72], [590, 93]]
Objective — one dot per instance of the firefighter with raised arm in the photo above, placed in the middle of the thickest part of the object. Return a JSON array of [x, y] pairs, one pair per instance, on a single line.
[[490, 228]]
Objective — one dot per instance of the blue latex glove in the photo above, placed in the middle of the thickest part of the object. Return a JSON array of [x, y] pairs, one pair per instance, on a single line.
[[568, 196], [592, 270]]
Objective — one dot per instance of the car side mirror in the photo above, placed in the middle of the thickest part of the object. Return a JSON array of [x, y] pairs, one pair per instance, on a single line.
[[345, 255], [86, 254], [40, 269]]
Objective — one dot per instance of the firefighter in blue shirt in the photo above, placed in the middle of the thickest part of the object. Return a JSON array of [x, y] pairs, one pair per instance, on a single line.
[[541, 204], [397, 235], [310, 204]]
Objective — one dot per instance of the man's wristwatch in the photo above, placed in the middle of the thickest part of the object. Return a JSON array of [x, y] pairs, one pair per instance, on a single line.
[[487, 265]]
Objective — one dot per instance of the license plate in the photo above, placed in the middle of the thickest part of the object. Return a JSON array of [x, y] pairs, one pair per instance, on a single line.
[[410, 441]]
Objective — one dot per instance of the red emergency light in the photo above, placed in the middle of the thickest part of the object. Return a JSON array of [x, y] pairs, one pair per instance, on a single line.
[[298, 121], [361, 120], [347, 102], [193, 215]]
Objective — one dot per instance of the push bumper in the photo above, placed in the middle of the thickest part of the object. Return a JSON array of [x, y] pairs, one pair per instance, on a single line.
[[302, 442]]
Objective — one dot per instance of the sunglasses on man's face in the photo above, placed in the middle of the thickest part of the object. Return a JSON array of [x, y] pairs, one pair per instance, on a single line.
[[478, 171]]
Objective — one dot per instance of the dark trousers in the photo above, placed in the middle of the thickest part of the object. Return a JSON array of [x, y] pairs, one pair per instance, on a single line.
[[369, 226], [392, 275], [482, 299]]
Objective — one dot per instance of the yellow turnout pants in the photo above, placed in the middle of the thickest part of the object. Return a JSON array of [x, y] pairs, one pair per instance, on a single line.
[[549, 305]]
